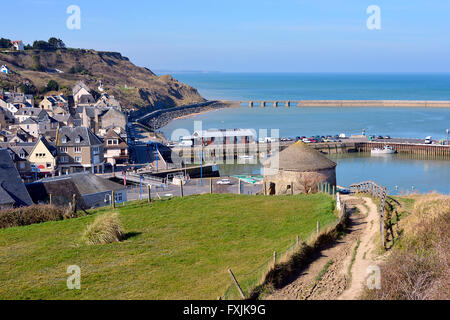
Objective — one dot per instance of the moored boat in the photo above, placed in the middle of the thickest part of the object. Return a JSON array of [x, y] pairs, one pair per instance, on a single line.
[[385, 150]]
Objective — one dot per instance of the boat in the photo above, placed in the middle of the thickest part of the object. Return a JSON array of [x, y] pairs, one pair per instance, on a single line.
[[385, 150], [179, 180]]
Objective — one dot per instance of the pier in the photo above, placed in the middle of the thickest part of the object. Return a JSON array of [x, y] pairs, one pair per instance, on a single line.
[[213, 153], [347, 103]]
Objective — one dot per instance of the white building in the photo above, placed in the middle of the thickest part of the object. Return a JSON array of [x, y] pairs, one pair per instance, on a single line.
[[4, 69], [18, 45]]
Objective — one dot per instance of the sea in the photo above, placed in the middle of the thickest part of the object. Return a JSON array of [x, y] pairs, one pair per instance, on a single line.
[[397, 173]]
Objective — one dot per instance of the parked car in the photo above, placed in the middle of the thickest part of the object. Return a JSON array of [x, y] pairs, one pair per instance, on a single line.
[[306, 140], [380, 137], [428, 140], [387, 137]]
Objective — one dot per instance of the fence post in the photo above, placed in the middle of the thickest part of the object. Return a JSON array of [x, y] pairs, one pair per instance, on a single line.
[[292, 188], [265, 188], [210, 186], [274, 258], [149, 191], [236, 283], [181, 189], [239, 184], [113, 199], [297, 240], [74, 203], [50, 195]]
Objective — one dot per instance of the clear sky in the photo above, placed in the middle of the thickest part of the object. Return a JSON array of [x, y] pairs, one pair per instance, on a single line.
[[247, 35]]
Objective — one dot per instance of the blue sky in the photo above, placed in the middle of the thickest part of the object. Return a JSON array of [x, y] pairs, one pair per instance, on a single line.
[[248, 35]]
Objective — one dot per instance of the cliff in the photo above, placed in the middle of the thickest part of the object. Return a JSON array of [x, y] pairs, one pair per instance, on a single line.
[[134, 86]]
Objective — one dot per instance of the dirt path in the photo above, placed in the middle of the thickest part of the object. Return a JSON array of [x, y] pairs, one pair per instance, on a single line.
[[333, 262]]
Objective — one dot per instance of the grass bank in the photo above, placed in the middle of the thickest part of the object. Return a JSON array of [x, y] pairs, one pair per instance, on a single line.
[[173, 249], [417, 267]]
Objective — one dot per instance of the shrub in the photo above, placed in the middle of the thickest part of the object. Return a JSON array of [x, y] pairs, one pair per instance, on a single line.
[[33, 214], [106, 228]]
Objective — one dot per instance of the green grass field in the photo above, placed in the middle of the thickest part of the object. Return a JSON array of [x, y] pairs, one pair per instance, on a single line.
[[176, 248]]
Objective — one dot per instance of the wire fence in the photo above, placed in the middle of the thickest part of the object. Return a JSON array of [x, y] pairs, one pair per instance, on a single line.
[[250, 280]]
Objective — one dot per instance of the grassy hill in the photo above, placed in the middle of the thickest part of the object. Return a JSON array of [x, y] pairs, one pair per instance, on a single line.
[[175, 249], [133, 85]]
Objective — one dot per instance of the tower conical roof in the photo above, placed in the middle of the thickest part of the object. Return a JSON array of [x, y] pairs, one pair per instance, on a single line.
[[301, 157]]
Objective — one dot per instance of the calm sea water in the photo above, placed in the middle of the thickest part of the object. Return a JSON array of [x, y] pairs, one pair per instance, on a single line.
[[398, 173]]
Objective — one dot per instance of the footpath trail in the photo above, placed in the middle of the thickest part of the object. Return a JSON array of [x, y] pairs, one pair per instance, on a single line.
[[328, 277]]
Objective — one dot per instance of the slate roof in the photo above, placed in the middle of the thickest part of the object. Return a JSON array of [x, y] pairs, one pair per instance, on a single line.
[[87, 137], [87, 183], [28, 111], [11, 185]]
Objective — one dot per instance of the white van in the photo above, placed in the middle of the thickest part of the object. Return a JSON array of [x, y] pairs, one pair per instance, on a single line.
[[428, 140]]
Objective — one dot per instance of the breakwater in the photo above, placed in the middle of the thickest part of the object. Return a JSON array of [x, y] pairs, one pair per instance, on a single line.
[[349, 103], [156, 119]]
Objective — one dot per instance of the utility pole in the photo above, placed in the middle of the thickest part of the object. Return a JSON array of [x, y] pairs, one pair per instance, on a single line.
[[448, 130]]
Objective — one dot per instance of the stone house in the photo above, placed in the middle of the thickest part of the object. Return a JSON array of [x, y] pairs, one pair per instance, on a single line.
[[79, 149]]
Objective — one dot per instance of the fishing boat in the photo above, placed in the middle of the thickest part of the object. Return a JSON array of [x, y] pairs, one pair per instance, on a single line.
[[385, 150]]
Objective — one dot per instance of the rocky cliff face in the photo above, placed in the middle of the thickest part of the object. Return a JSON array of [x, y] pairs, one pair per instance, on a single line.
[[134, 86]]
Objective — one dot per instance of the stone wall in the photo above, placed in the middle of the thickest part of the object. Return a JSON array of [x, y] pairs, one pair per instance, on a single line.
[[304, 182]]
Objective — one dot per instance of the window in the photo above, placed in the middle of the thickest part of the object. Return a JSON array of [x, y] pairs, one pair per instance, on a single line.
[[22, 165], [49, 165], [63, 149], [77, 150], [64, 159], [118, 197], [78, 159], [77, 139], [95, 150], [64, 140], [22, 155]]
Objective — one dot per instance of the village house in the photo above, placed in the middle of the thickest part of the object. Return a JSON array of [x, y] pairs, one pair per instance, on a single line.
[[24, 113], [43, 157], [82, 94], [90, 190], [79, 149], [116, 148], [18, 45], [21, 153], [31, 126], [4, 69], [13, 192], [113, 118], [51, 103]]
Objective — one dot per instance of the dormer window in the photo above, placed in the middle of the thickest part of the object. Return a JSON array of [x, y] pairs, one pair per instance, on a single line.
[[64, 140], [78, 139]]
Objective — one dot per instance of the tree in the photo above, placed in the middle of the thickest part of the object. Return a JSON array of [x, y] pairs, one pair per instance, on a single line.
[[41, 45], [56, 43], [52, 85], [5, 43]]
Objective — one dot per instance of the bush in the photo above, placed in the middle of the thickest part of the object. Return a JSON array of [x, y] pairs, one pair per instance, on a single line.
[[24, 216], [52, 85], [106, 228]]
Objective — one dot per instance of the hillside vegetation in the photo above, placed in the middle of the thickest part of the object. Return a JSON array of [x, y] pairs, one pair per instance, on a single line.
[[179, 248], [417, 268], [134, 86]]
